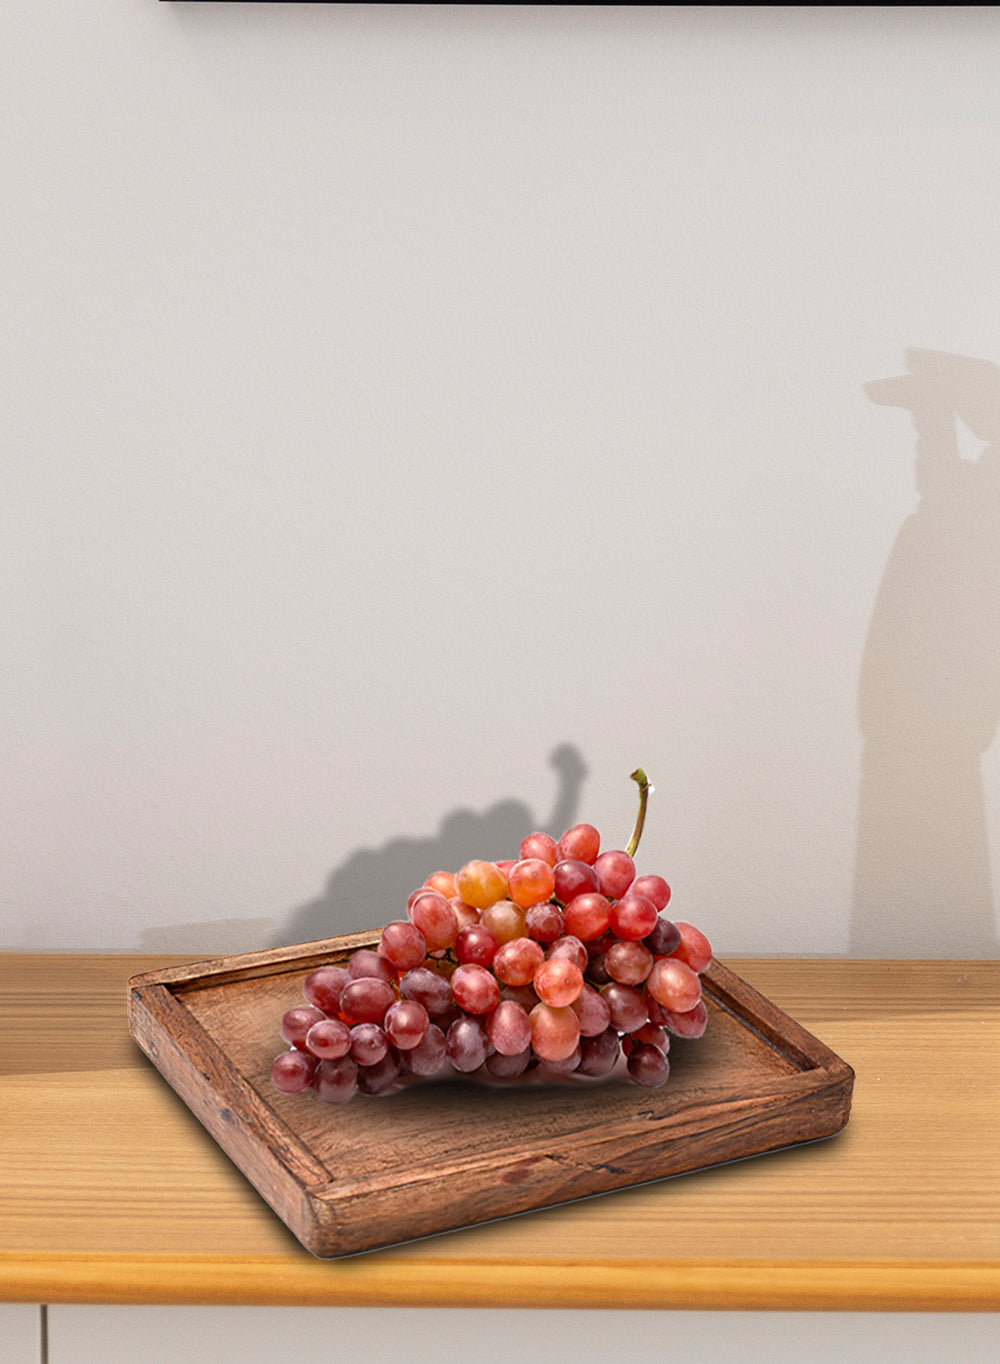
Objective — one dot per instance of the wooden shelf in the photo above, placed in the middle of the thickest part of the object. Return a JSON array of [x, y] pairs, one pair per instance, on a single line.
[[110, 1190]]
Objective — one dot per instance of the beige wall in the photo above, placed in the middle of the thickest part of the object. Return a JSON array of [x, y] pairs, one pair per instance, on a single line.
[[398, 395]]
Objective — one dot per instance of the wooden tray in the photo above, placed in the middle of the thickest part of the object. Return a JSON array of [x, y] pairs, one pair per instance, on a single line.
[[443, 1154]]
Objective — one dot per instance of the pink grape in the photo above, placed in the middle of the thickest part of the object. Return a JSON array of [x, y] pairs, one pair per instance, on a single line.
[[558, 982], [673, 984], [428, 1057], [328, 1039], [509, 1028], [582, 843], [293, 1071], [555, 1032], [573, 878], [615, 873], [403, 945], [633, 917], [467, 1044], [365, 1000], [322, 987], [542, 846], [654, 888], [405, 1023], [336, 1081], [475, 989], [297, 1022]]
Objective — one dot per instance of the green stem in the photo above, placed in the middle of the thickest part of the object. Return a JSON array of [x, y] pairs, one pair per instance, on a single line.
[[639, 777]]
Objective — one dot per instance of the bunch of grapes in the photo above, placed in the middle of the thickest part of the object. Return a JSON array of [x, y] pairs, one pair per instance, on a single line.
[[561, 959]]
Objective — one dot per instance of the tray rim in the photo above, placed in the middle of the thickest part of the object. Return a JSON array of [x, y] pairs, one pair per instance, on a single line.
[[292, 1179]]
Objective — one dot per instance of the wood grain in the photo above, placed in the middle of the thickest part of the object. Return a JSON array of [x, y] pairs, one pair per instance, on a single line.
[[111, 1192]]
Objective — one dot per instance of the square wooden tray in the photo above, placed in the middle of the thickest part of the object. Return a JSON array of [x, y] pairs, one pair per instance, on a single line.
[[439, 1155]]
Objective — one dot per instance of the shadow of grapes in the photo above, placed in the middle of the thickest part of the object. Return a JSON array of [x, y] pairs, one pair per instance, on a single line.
[[371, 887]]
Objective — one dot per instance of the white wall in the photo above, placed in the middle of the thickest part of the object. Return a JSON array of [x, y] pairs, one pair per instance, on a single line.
[[396, 395]]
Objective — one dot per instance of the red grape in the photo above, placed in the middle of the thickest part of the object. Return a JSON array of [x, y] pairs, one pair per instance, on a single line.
[[428, 1057], [328, 1039], [572, 878], [654, 888], [481, 884], [517, 961], [531, 882], [476, 945], [587, 916], [467, 1044], [542, 846], [558, 981], [336, 1081], [475, 989], [633, 917], [297, 1022], [509, 1028], [322, 987], [647, 1065], [555, 1032], [403, 945], [673, 984], [544, 923], [293, 1071], [615, 873], [695, 949], [405, 1023], [436, 919], [365, 1000], [582, 842]]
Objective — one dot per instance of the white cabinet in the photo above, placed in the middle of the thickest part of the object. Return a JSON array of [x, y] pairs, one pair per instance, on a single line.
[[20, 1333], [290, 1335]]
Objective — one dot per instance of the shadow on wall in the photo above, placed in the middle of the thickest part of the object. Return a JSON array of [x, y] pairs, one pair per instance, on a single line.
[[929, 697], [372, 886]]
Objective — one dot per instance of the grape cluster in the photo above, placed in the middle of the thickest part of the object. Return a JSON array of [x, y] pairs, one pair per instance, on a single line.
[[562, 958]]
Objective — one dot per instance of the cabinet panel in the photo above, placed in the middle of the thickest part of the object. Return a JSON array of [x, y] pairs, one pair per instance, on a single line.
[[274, 1335], [20, 1333]]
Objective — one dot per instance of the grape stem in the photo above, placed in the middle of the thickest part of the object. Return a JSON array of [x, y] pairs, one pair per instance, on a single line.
[[642, 780]]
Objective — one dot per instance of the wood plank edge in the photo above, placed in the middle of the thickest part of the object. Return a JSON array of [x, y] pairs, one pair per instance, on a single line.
[[777, 1028], [374, 1281], [243, 1126]]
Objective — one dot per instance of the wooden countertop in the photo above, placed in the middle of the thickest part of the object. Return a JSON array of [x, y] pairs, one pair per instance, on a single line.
[[110, 1191]]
